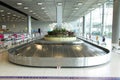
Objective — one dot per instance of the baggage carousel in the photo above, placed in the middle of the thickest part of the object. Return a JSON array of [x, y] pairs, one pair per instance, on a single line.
[[41, 53]]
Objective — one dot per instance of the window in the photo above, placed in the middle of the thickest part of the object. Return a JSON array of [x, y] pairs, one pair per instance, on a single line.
[[96, 21], [108, 19], [81, 26], [87, 24]]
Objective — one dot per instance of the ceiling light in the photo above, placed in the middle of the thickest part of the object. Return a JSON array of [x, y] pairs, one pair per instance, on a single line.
[[34, 13], [3, 15], [39, 3], [42, 8], [8, 13], [93, 8], [99, 4], [19, 4], [80, 3], [14, 15], [1, 10], [25, 7], [76, 8], [59, 4], [30, 11]]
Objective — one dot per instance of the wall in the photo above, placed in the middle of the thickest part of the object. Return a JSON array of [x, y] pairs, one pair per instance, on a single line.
[[22, 26], [15, 26], [44, 26]]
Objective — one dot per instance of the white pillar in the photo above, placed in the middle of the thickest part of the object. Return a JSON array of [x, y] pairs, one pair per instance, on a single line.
[[29, 25], [116, 22], [83, 26], [59, 15], [90, 23], [103, 20]]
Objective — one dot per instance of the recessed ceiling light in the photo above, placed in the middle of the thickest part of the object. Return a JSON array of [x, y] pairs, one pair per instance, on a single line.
[[19, 4], [3, 15], [76, 8], [92, 8], [39, 3], [42, 8], [25, 7], [30, 11], [80, 3], [14, 15], [99, 4], [59, 4], [8, 13], [1, 10], [34, 13]]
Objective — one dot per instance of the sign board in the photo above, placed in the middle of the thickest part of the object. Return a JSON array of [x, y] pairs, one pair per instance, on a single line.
[[3, 26]]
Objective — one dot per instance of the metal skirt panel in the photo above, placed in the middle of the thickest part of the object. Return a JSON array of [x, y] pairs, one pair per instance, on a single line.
[[62, 55], [62, 62]]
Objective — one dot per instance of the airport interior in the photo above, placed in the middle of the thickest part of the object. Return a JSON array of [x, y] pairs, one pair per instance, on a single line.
[[79, 38]]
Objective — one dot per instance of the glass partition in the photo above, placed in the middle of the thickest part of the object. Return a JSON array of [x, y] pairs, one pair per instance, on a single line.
[[108, 18], [96, 21]]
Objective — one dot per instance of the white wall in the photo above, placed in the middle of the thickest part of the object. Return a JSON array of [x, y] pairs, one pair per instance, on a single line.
[[44, 26], [15, 26], [22, 26]]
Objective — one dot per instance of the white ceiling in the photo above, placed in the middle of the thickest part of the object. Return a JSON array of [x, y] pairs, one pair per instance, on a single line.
[[49, 11], [7, 15]]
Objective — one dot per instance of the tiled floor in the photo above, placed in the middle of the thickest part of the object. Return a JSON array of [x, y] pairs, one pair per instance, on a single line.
[[111, 69]]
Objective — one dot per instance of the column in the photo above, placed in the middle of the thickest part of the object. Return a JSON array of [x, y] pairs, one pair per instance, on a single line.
[[116, 22], [29, 25], [83, 26], [90, 23], [103, 20], [59, 15]]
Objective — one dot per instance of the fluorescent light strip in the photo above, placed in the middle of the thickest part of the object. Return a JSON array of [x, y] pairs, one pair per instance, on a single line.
[[1, 10], [19, 4], [39, 3], [25, 7], [80, 3], [3, 15], [59, 4], [42, 8], [76, 8], [30, 11], [8, 13]]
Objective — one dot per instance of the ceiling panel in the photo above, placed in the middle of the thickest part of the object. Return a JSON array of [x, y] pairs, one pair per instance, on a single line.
[[7, 15], [72, 9]]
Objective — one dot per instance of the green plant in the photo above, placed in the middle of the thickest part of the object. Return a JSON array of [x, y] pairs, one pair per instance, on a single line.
[[59, 32]]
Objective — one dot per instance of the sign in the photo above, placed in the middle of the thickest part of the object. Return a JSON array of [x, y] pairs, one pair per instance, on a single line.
[[3, 26]]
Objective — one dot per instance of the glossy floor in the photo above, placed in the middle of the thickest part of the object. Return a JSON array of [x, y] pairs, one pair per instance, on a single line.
[[111, 69]]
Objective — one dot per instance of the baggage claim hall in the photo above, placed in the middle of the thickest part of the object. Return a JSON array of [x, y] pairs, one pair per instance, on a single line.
[[78, 38]]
